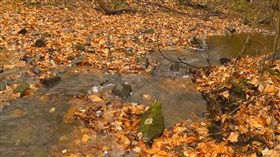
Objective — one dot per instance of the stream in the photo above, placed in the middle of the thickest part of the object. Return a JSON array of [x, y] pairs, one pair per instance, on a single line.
[[29, 129]]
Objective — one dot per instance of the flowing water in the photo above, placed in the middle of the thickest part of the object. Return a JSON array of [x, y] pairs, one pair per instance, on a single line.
[[29, 129]]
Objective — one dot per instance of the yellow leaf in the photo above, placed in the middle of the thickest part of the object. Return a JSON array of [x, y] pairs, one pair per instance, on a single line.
[[95, 98], [255, 82]]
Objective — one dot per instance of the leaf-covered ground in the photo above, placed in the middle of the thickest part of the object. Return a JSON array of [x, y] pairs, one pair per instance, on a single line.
[[39, 37], [42, 36]]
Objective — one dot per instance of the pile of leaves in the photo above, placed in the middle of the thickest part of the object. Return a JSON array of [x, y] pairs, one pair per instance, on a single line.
[[243, 102]]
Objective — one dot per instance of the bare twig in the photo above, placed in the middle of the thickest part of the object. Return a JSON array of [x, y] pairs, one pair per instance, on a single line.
[[174, 61], [245, 47]]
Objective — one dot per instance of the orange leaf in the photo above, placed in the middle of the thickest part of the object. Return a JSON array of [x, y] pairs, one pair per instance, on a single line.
[[152, 151]]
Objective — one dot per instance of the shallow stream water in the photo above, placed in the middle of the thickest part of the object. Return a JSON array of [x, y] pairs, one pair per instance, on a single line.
[[29, 129]]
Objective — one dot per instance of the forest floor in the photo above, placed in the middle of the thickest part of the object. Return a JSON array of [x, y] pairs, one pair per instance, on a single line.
[[39, 37]]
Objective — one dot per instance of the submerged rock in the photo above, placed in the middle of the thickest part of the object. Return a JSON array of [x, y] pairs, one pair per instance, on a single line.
[[224, 61], [199, 41], [52, 81], [122, 90], [152, 122]]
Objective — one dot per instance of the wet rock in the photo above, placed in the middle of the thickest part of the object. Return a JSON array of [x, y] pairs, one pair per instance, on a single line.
[[2, 86], [122, 90], [36, 71], [199, 41], [152, 122], [147, 31], [21, 88], [231, 29], [23, 31], [224, 61], [40, 42], [52, 81]]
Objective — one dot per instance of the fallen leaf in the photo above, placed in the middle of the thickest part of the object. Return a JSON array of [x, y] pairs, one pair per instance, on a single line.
[[95, 98], [233, 137], [85, 138]]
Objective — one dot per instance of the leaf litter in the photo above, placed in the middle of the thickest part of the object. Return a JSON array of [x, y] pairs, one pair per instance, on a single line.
[[244, 114]]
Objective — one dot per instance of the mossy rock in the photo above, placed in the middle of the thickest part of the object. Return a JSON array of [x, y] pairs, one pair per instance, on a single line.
[[21, 88], [80, 46], [152, 122]]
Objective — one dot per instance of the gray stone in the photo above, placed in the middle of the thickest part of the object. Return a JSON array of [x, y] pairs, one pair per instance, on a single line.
[[52, 81], [40, 42], [122, 90], [2, 86], [36, 70], [152, 122]]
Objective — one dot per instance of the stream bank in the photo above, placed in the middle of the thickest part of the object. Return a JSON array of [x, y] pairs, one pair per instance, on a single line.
[[42, 114]]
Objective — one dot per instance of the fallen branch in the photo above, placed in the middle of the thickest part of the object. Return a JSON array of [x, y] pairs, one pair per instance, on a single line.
[[177, 61]]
